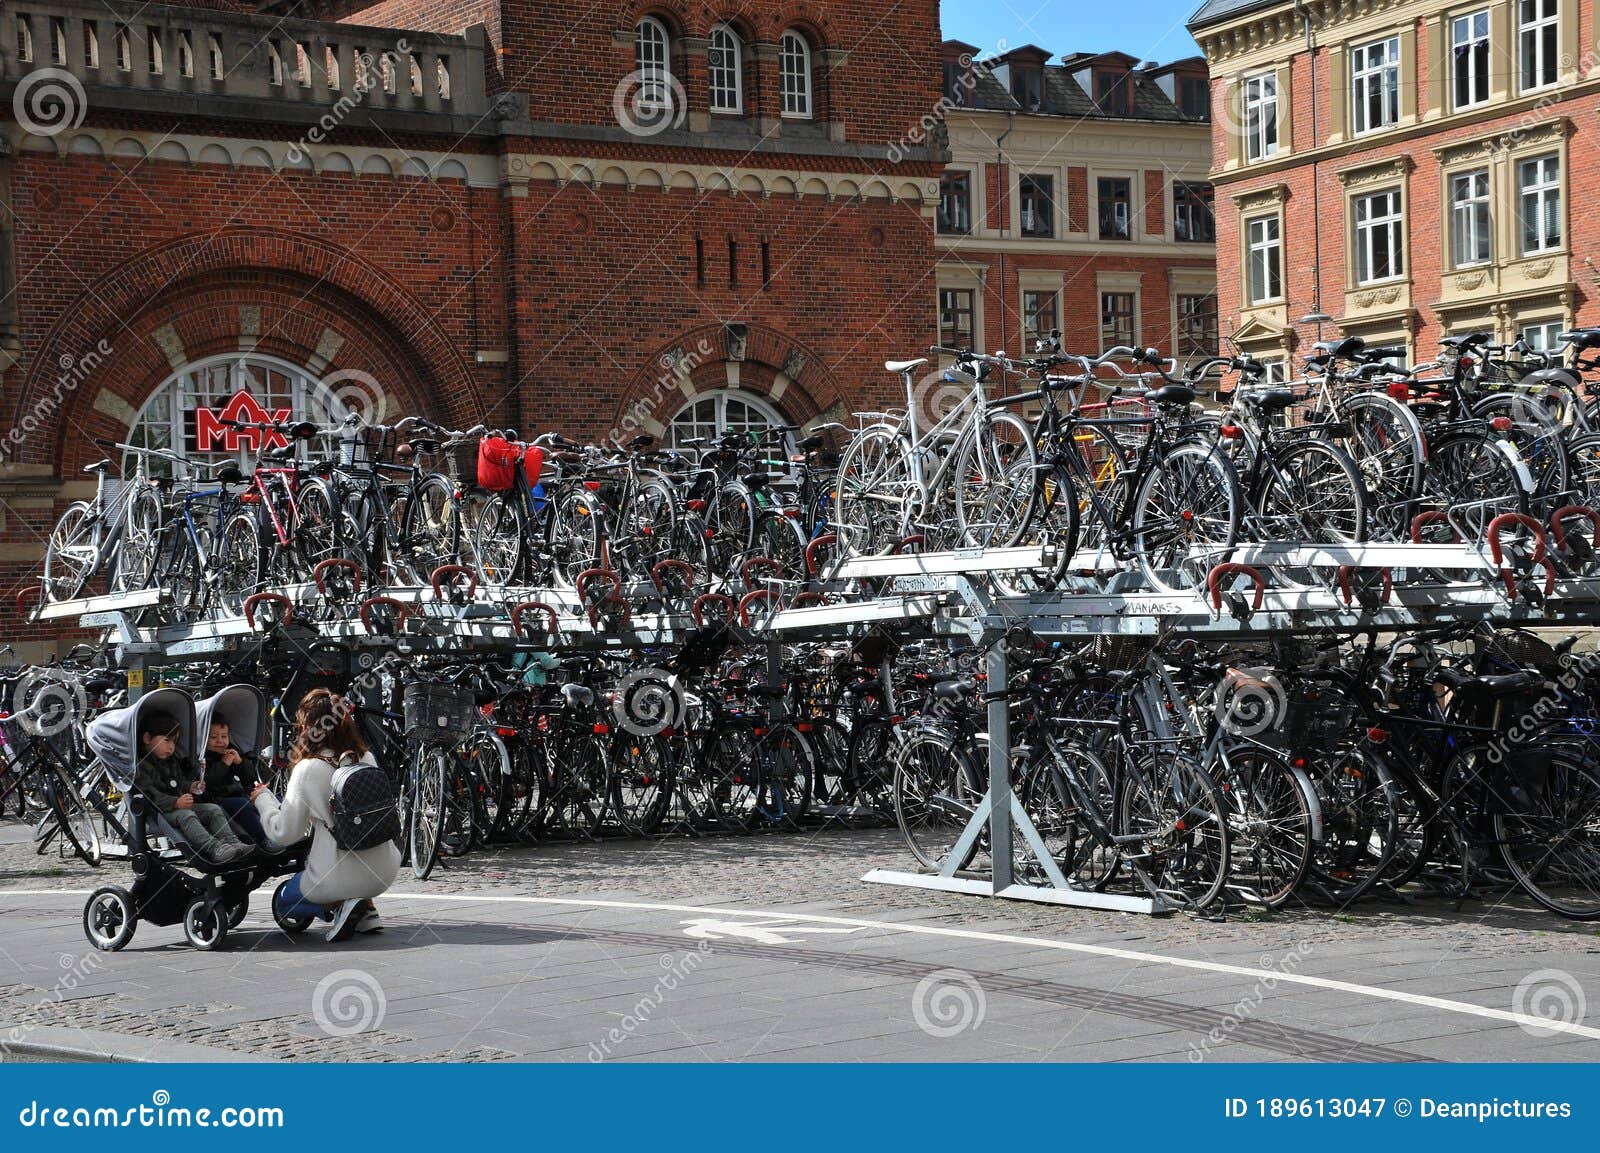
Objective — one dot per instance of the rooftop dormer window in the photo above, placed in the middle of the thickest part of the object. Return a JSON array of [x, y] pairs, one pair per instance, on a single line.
[[1194, 97], [1113, 92], [1027, 86]]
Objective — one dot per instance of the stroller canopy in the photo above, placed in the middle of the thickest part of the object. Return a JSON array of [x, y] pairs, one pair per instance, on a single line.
[[243, 708], [114, 734]]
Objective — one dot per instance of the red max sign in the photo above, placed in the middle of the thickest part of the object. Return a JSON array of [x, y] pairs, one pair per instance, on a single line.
[[208, 433]]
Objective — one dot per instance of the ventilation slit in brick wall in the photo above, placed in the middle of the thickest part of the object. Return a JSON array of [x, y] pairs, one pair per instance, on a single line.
[[733, 263]]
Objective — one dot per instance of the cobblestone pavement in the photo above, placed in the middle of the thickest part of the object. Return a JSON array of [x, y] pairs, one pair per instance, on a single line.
[[498, 956]]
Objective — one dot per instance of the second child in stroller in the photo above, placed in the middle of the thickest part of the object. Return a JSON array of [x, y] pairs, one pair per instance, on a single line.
[[230, 777], [168, 784]]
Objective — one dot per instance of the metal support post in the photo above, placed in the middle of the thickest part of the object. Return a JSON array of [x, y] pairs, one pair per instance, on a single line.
[[999, 767]]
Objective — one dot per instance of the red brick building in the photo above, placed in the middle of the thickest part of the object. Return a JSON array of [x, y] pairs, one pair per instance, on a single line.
[[1077, 197], [1408, 169], [543, 213]]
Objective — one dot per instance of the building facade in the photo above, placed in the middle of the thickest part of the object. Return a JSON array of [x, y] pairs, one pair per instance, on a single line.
[[1403, 168], [1077, 197], [646, 215]]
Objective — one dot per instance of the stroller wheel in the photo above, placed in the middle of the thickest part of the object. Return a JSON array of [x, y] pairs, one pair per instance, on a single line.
[[236, 913], [205, 924], [109, 919], [291, 925]]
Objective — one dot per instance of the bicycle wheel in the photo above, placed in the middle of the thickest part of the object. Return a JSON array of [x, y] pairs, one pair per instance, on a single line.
[[1538, 435], [429, 528], [1361, 822], [641, 781], [1171, 814], [1476, 478], [71, 555], [730, 767], [238, 562], [74, 817], [787, 767], [873, 483], [142, 528], [581, 795], [648, 525], [1185, 516], [1270, 831], [869, 763], [577, 536], [488, 777], [1080, 843], [996, 482], [1384, 439], [733, 529], [425, 827], [315, 531], [778, 537], [1551, 841], [936, 791], [499, 541], [1312, 494]]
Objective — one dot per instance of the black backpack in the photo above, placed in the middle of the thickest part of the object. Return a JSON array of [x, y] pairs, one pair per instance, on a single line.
[[366, 808]]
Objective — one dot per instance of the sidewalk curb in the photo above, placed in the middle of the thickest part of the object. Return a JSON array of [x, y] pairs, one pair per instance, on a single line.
[[57, 1043]]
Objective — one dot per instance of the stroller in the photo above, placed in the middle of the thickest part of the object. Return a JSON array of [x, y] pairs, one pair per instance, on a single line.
[[163, 893]]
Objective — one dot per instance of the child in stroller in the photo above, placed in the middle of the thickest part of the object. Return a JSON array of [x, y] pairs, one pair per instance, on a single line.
[[234, 730], [175, 787], [163, 893]]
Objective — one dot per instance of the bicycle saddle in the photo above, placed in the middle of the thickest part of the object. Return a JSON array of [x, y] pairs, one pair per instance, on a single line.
[[577, 696], [953, 690], [1269, 399], [98, 466], [758, 478], [1374, 355], [1465, 341], [898, 366], [230, 474], [808, 443], [1495, 685], [1171, 394], [1583, 337]]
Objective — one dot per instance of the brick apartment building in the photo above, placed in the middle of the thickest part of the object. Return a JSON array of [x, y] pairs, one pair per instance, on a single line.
[[1407, 168], [1077, 197], [650, 214]]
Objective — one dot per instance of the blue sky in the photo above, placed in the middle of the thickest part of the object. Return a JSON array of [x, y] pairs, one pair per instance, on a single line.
[[1148, 29]]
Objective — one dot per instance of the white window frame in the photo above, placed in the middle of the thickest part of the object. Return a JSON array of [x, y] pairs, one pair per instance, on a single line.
[[1544, 190], [1137, 315], [1467, 32], [1268, 250], [719, 401], [1372, 225], [725, 79], [1471, 218], [794, 76], [1375, 70], [1533, 47], [652, 60], [1548, 334], [1261, 128]]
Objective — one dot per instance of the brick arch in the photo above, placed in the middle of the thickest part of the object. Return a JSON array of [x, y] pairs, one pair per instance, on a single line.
[[288, 318], [656, 392], [340, 281], [803, 17], [673, 13]]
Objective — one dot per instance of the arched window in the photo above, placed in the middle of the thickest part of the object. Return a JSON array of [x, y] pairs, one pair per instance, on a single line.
[[794, 75], [725, 65], [652, 57], [168, 419], [711, 414]]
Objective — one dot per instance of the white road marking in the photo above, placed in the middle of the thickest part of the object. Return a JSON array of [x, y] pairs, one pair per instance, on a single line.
[[763, 932], [1465, 1008]]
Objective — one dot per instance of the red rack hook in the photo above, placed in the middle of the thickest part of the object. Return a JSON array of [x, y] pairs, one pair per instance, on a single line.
[[759, 562], [662, 566], [749, 597], [24, 595], [1496, 553], [401, 612], [518, 610], [701, 601], [451, 572], [1423, 519], [614, 599], [801, 600], [287, 607], [1568, 512], [915, 540], [320, 573], [826, 540], [1231, 568], [1346, 571]]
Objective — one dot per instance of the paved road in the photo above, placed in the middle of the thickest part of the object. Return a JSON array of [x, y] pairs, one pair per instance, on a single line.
[[771, 948]]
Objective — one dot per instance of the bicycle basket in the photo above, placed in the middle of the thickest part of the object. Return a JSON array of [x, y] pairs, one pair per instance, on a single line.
[[434, 708], [497, 463], [1318, 717], [1523, 650]]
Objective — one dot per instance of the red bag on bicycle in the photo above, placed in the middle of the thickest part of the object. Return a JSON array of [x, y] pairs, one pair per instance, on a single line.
[[497, 463]]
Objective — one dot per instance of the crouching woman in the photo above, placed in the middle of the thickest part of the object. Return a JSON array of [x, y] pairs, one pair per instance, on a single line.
[[336, 885]]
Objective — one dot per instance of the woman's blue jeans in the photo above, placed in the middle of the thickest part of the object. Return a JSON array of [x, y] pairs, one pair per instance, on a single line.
[[292, 904]]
